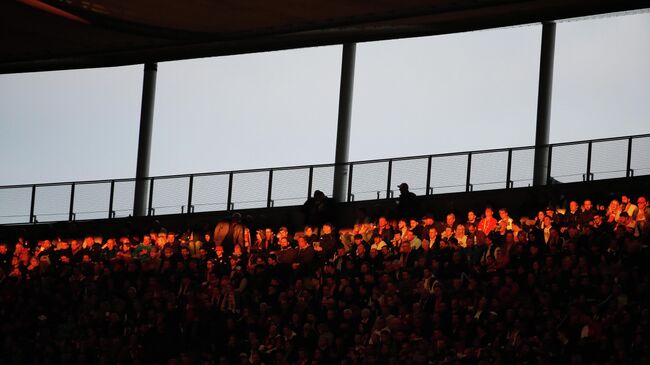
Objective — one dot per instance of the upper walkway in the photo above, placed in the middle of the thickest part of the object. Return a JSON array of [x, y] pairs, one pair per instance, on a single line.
[[504, 168]]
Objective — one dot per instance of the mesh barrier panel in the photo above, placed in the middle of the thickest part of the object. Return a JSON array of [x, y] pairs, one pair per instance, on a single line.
[[91, 200], [608, 159], [210, 193], [123, 198], [489, 170], [640, 162], [521, 170], [170, 195], [15, 204], [413, 172], [289, 187], [323, 180], [448, 174], [368, 179], [250, 189], [52, 203], [569, 163]]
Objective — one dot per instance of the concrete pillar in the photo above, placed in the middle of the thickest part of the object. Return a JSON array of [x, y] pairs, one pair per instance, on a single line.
[[144, 140], [343, 127], [541, 166]]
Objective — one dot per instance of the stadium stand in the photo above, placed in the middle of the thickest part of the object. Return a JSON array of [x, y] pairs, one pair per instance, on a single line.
[[551, 286]]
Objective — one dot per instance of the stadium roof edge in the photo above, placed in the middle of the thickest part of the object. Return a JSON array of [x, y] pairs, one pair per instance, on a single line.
[[75, 34]]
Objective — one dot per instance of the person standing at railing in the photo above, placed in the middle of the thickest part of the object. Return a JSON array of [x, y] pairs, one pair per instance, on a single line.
[[229, 233], [318, 210], [406, 203]]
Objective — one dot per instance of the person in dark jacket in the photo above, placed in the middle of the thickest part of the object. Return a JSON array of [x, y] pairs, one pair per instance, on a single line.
[[229, 233], [406, 203]]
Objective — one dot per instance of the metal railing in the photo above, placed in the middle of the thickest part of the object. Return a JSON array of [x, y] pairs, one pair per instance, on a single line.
[[504, 168]]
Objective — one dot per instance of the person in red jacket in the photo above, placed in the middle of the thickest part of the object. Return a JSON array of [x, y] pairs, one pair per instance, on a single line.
[[488, 223]]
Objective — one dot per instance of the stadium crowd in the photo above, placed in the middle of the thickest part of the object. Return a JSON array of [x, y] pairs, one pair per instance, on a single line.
[[562, 286]]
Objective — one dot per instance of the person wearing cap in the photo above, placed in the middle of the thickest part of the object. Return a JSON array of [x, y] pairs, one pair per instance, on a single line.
[[406, 203]]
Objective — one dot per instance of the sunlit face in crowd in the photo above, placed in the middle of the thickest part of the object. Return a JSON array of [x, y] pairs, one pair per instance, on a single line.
[[327, 229], [613, 205], [573, 206], [625, 200], [451, 218], [503, 213], [587, 204], [460, 230], [471, 216], [488, 212], [642, 202]]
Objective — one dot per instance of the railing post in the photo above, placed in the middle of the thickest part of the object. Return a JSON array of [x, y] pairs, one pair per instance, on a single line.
[[589, 147], [230, 178], [33, 202], [189, 194], [311, 181], [390, 173], [428, 175], [71, 212], [110, 199], [548, 164], [469, 172], [150, 196], [350, 183], [270, 191], [628, 169], [509, 172]]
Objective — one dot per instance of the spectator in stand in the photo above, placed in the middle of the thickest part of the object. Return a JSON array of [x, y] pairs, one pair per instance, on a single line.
[[384, 229], [488, 223], [588, 212], [576, 297], [471, 219], [628, 206], [573, 216], [642, 218], [318, 210], [229, 233], [406, 203], [505, 222]]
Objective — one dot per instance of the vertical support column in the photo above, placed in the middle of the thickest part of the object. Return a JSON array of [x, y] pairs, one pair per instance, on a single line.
[[144, 139], [544, 94], [343, 127]]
